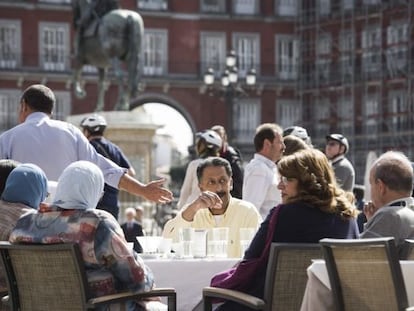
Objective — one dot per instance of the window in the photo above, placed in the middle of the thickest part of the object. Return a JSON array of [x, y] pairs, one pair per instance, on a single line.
[[54, 46], [324, 7], [56, 1], [286, 7], [10, 44], [248, 7], [321, 117], [289, 113], [63, 105], [213, 6], [9, 107], [399, 111], [246, 117], [247, 48], [371, 114], [155, 52], [348, 4], [397, 48], [323, 61], [152, 4], [345, 114], [213, 51], [287, 57], [371, 49], [347, 44]]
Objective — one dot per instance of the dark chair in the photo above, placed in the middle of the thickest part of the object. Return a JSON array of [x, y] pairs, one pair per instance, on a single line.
[[365, 274], [407, 250], [52, 277], [285, 284]]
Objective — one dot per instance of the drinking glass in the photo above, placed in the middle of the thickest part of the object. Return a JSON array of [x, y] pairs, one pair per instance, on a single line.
[[246, 236], [217, 242], [186, 237]]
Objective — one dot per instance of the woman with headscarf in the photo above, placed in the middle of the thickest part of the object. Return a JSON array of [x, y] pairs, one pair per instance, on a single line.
[[25, 189], [72, 218]]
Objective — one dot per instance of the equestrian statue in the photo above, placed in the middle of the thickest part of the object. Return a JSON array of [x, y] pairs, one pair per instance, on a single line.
[[107, 36]]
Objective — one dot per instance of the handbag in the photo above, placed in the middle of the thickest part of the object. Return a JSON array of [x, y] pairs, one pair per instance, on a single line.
[[239, 277]]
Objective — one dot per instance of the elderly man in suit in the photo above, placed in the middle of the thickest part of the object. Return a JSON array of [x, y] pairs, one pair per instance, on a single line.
[[132, 228], [390, 211]]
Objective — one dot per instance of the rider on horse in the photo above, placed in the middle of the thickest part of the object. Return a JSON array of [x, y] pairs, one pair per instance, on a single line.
[[86, 23]]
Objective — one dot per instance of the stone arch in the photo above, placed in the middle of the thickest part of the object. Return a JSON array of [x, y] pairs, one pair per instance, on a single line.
[[162, 99]]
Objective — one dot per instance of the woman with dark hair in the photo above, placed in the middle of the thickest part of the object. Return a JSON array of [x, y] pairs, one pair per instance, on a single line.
[[6, 166], [313, 207]]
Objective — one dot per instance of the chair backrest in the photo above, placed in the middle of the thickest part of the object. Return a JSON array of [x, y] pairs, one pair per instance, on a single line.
[[45, 277], [286, 275], [365, 274]]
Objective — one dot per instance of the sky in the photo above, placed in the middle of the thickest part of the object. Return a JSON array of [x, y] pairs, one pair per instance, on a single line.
[[174, 124]]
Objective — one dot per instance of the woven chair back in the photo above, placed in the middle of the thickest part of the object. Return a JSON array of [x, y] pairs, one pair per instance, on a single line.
[[47, 277], [365, 274], [286, 275]]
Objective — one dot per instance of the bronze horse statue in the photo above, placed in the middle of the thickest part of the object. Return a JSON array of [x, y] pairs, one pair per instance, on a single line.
[[105, 41]]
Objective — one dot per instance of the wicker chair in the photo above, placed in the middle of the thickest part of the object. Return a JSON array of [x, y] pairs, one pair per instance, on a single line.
[[365, 274], [52, 277], [285, 284]]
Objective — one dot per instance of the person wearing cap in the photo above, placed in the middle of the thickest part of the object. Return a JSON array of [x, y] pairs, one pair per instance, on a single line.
[[53, 145], [232, 155], [260, 174], [336, 148], [207, 144], [93, 128], [299, 132]]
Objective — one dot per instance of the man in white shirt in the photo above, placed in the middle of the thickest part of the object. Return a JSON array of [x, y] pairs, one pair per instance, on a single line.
[[260, 174], [53, 145]]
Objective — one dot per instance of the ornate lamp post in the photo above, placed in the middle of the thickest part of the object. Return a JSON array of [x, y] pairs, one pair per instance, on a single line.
[[229, 88]]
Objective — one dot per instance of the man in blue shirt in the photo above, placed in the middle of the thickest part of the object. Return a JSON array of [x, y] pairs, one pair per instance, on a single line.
[[53, 145], [93, 128]]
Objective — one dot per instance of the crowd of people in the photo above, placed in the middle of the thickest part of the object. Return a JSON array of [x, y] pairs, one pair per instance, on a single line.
[[289, 191]]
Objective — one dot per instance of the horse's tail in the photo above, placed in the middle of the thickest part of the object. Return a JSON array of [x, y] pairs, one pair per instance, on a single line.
[[133, 57]]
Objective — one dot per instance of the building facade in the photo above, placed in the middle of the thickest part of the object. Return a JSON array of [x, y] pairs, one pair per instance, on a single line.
[[327, 65]]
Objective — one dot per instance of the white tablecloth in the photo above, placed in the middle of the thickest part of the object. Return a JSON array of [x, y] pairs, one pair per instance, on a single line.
[[187, 276], [318, 295]]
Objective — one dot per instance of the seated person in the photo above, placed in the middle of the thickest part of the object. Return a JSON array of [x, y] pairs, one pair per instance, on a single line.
[[215, 207], [110, 266], [6, 166], [25, 189], [132, 228], [390, 212], [313, 207]]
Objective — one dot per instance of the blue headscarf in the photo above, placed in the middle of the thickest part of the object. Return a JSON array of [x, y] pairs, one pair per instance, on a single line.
[[26, 184], [80, 186]]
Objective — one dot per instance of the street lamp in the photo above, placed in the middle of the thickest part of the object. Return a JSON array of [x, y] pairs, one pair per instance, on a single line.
[[229, 87]]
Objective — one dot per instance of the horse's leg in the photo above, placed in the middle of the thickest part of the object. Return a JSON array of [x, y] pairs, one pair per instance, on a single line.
[[135, 33], [77, 82], [101, 89], [123, 97]]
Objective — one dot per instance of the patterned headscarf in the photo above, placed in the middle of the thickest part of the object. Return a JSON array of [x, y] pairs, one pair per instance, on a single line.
[[80, 186], [26, 184]]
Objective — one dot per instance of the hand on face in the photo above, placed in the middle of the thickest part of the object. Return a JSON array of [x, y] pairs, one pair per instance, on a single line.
[[369, 209], [208, 199]]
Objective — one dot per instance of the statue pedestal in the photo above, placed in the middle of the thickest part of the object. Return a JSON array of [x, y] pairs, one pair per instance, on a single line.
[[133, 131]]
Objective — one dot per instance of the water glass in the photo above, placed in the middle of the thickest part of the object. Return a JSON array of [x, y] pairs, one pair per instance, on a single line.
[[186, 236], [200, 243], [217, 242], [246, 236]]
